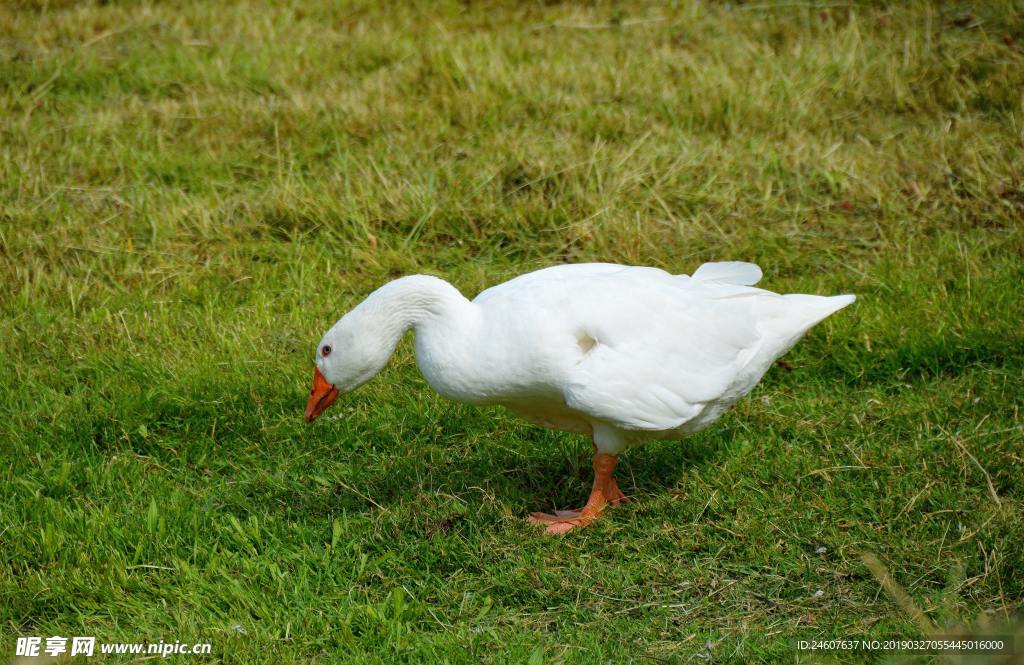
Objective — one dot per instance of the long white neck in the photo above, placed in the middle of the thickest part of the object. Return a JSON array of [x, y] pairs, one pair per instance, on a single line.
[[366, 337], [411, 302]]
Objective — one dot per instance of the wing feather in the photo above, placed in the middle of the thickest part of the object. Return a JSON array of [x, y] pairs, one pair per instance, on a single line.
[[656, 371], [730, 272]]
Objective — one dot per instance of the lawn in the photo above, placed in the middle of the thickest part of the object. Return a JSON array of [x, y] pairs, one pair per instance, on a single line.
[[191, 193]]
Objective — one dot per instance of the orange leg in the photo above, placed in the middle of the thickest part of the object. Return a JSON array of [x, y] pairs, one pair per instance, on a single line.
[[605, 491], [615, 495]]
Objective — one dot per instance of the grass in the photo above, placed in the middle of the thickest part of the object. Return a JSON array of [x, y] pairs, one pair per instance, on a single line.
[[191, 193]]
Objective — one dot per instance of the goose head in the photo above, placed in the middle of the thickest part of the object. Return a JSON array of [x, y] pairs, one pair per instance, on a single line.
[[349, 355], [360, 343]]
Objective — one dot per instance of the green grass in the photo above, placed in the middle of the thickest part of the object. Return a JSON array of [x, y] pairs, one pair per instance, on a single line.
[[191, 193]]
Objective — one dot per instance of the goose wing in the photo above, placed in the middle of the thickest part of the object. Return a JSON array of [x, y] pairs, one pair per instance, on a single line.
[[664, 348], [660, 359]]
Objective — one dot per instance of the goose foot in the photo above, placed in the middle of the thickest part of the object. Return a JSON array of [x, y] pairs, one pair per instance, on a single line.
[[563, 521], [615, 495], [605, 491]]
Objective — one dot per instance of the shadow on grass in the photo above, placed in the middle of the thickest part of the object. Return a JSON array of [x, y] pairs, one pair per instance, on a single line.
[[919, 359], [530, 469]]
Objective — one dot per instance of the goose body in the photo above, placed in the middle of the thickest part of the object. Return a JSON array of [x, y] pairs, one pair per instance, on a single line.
[[621, 353]]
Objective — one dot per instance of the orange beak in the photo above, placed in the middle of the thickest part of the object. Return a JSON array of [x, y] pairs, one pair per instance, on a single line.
[[321, 396]]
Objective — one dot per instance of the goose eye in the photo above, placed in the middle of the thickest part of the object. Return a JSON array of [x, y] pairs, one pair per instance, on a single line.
[[326, 350]]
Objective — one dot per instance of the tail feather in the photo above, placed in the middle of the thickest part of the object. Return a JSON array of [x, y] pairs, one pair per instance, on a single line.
[[811, 310], [730, 272]]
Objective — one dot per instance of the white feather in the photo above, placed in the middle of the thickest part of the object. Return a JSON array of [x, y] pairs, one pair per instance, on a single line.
[[730, 272], [624, 353]]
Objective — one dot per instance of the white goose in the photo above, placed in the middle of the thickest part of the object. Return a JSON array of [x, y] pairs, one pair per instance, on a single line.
[[623, 354]]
